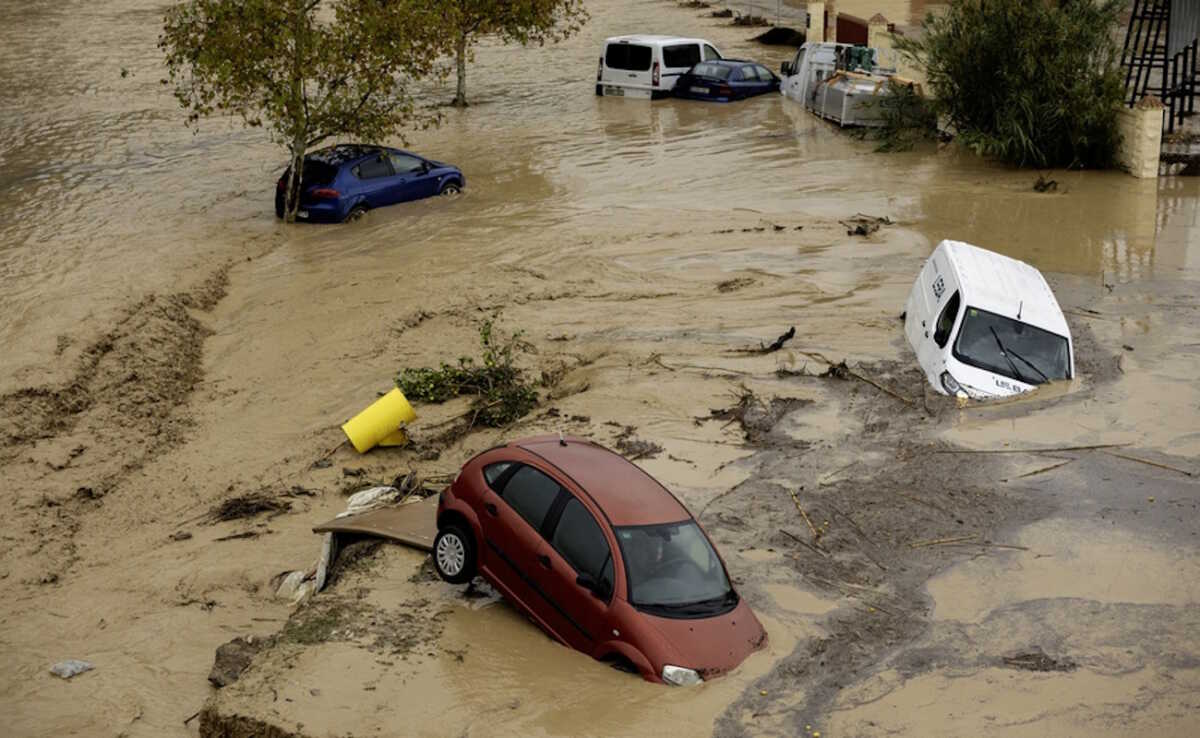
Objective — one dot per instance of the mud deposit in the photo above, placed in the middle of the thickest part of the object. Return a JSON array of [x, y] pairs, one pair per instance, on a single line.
[[176, 370]]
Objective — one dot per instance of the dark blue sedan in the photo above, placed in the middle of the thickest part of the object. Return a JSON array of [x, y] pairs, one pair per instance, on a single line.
[[343, 182], [723, 80]]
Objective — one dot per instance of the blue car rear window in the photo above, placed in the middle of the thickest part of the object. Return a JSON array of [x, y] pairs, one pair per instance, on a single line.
[[317, 174], [718, 71]]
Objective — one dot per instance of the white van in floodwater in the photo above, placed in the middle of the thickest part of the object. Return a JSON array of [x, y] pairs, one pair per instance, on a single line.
[[647, 67], [839, 82], [986, 325]]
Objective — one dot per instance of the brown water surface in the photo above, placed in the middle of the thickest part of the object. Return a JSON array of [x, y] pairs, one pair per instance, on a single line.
[[602, 228]]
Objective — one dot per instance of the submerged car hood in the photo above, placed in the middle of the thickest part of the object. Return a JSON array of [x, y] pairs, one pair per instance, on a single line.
[[713, 645]]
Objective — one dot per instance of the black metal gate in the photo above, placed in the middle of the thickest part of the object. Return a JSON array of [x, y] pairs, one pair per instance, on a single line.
[[1160, 55]]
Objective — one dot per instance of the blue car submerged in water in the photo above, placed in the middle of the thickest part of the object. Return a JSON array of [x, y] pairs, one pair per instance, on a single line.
[[343, 182], [722, 80]]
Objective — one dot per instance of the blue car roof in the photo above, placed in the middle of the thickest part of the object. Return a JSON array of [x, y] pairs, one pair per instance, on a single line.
[[346, 153], [729, 62]]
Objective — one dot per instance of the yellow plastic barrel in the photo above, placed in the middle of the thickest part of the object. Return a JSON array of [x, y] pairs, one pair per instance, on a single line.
[[380, 423]]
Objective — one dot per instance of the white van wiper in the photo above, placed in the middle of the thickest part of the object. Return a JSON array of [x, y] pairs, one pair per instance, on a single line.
[[1004, 353], [1031, 365]]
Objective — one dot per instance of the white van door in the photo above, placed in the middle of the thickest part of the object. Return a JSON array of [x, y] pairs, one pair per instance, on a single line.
[[676, 60], [793, 84], [626, 65]]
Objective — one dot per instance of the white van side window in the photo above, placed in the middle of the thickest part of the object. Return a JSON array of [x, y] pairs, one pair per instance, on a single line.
[[710, 53], [945, 321], [683, 55], [630, 57]]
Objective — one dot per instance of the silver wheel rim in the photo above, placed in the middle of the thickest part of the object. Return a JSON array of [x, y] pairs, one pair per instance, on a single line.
[[451, 555], [451, 190]]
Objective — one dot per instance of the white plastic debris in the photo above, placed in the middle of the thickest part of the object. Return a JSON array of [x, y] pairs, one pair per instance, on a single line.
[[369, 499], [70, 667], [289, 585]]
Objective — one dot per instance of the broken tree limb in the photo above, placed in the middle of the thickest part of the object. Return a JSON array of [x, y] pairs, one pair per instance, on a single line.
[[927, 503], [1148, 462], [778, 343], [1043, 470], [941, 541], [813, 528], [1049, 450], [989, 544], [878, 386], [330, 452], [806, 544], [866, 540], [827, 479]]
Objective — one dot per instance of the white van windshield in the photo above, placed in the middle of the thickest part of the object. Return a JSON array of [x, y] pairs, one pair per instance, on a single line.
[[1011, 348], [630, 57]]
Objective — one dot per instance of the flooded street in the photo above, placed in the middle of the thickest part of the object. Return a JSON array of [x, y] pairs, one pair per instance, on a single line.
[[169, 344]]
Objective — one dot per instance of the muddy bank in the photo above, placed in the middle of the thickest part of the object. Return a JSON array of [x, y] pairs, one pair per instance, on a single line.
[[66, 447], [850, 511]]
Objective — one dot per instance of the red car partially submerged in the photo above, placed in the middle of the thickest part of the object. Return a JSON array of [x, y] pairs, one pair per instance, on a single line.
[[597, 553]]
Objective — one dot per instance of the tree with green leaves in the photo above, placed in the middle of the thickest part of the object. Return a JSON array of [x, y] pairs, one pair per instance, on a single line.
[[521, 21], [306, 70], [1032, 82]]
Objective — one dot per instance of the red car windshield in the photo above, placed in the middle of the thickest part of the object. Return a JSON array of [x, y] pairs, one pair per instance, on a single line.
[[674, 571]]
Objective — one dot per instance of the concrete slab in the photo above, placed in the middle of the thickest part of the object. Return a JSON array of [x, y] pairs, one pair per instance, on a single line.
[[414, 524]]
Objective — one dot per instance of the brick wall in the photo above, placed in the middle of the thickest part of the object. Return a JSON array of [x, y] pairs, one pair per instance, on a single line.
[[1141, 137]]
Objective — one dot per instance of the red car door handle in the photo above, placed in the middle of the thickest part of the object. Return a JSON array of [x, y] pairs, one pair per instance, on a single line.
[[544, 560], [491, 509]]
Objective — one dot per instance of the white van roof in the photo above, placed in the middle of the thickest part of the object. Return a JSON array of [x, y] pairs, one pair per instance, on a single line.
[[1003, 285], [655, 40]]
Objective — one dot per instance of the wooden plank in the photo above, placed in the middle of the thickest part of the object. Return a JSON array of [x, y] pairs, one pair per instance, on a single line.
[[414, 524]]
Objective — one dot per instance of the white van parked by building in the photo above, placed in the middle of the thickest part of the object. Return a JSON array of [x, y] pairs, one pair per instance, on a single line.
[[986, 325], [648, 66]]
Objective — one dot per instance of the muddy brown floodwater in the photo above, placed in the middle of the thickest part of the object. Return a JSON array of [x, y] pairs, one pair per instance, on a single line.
[[168, 345]]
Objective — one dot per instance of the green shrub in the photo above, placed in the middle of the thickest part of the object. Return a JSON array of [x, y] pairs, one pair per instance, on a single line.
[[908, 119], [1032, 82], [502, 394]]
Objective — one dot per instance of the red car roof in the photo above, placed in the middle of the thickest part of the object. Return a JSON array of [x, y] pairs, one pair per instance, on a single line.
[[626, 494]]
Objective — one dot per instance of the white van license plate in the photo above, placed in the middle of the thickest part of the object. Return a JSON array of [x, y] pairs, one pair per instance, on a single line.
[[699, 90], [614, 91]]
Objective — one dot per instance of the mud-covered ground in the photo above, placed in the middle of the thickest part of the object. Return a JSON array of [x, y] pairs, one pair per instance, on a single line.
[[176, 371]]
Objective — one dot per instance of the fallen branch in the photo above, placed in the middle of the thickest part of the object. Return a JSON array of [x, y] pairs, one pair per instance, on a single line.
[[881, 388], [989, 544], [773, 347], [192, 717], [327, 454], [1148, 462], [806, 544], [1043, 470], [1026, 450], [827, 479], [841, 513], [940, 542], [813, 528], [919, 501]]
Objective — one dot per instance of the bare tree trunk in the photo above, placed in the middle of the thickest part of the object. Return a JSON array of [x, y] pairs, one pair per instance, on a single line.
[[291, 200], [460, 98]]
